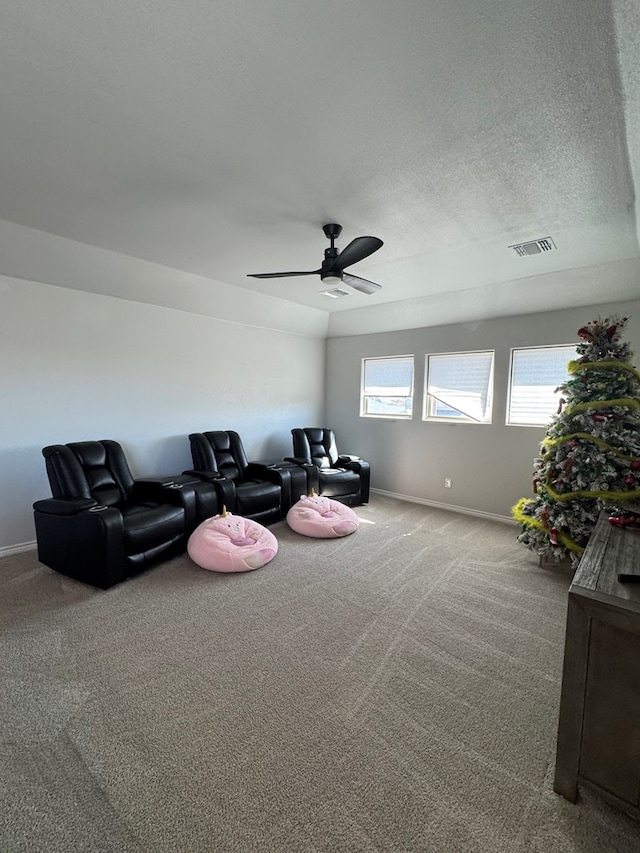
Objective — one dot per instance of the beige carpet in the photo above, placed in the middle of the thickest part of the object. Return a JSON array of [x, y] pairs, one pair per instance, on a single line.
[[395, 691]]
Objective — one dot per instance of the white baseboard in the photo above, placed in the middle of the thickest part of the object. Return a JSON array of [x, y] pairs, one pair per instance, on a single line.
[[7, 550], [460, 509]]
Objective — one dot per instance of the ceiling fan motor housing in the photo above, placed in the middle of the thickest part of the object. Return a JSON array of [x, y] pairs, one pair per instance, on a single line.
[[332, 230]]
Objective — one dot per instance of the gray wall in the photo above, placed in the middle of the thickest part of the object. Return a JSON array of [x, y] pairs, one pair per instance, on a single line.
[[490, 465], [78, 366]]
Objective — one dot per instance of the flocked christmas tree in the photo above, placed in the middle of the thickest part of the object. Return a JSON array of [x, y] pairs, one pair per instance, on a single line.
[[590, 458]]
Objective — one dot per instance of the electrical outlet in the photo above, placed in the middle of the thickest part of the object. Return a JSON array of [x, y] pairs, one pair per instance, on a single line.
[[447, 482]]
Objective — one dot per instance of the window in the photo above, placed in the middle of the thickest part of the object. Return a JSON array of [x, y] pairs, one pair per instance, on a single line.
[[459, 387], [536, 374], [387, 387]]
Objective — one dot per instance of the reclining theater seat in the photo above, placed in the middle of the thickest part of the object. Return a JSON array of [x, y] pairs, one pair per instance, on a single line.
[[101, 525], [341, 477], [250, 489]]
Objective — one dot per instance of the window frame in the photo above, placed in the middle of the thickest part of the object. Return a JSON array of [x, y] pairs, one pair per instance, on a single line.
[[364, 397], [427, 398], [570, 347]]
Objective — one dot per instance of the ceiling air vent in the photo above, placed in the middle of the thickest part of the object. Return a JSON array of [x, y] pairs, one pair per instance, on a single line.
[[336, 293], [535, 247]]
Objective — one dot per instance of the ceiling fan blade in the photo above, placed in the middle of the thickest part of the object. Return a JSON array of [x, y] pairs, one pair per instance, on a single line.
[[281, 274], [357, 250], [361, 284]]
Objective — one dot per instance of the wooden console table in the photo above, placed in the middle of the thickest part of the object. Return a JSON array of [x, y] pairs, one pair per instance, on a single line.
[[599, 724]]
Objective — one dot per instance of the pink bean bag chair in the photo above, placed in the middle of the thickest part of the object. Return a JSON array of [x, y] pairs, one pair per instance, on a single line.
[[231, 543], [314, 515]]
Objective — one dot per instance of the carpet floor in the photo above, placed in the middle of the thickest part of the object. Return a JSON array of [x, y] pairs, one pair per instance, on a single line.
[[394, 691]]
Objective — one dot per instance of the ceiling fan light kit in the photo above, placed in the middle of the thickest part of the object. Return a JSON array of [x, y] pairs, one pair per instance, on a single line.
[[335, 262], [331, 279], [335, 293]]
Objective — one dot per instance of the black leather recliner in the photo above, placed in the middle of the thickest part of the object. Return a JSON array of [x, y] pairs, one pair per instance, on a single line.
[[254, 490], [101, 525], [331, 474]]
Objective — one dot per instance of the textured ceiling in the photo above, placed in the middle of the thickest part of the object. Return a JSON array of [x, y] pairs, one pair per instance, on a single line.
[[217, 138]]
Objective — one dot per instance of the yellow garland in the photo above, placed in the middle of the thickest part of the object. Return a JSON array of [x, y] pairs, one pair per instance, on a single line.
[[569, 544], [626, 402], [604, 494], [554, 442], [527, 520], [531, 521], [575, 366]]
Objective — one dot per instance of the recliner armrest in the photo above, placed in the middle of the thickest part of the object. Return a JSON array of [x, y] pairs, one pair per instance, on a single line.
[[263, 472], [348, 457], [299, 460], [65, 506], [168, 480], [226, 490], [272, 474], [209, 476], [167, 490], [363, 469], [155, 489], [82, 539]]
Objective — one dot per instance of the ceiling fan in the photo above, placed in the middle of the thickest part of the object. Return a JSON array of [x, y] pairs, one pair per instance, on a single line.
[[332, 271]]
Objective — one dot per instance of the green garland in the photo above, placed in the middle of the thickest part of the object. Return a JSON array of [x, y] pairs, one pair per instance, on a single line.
[[604, 494], [554, 442], [575, 366], [531, 521], [625, 402]]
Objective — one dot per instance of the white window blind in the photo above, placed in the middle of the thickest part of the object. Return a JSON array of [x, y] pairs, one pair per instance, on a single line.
[[536, 374], [387, 387], [459, 387]]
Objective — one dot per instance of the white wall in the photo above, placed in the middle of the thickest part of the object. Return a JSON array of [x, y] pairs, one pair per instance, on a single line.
[[490, 465], [78, 366], [39, 257]]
